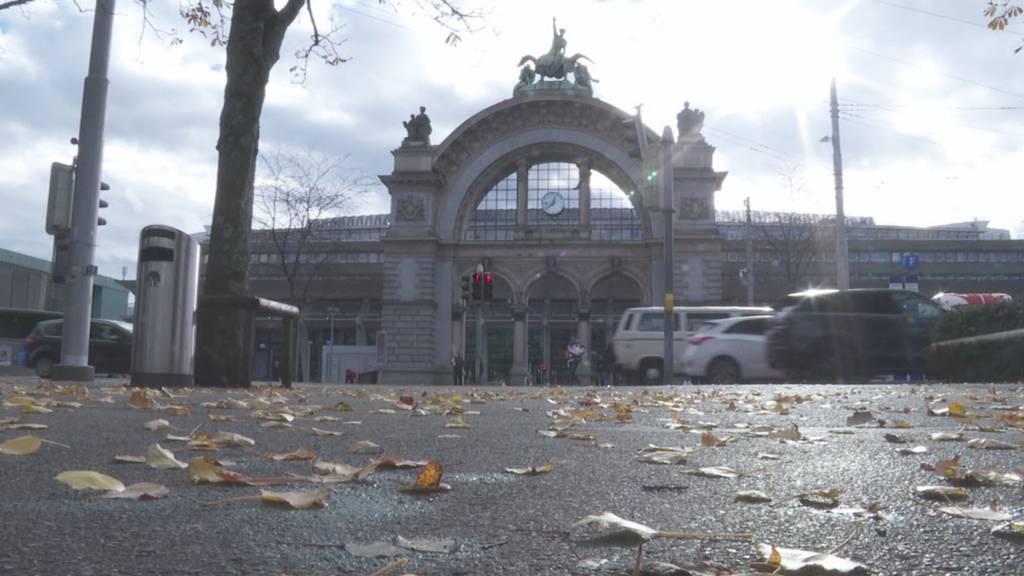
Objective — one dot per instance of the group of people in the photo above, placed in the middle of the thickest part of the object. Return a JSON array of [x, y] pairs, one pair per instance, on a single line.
[[602, 367]]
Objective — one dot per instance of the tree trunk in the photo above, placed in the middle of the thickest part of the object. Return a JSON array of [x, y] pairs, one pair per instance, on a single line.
[[224, 338]]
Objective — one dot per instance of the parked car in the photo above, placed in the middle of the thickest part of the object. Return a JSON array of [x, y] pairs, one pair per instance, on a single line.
[[639, 343], [110, 346], [852, 334], [730, 351]]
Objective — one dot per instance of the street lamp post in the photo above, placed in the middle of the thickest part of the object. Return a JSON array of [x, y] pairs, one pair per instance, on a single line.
[[330, 351], [842, 254], [668, 363]]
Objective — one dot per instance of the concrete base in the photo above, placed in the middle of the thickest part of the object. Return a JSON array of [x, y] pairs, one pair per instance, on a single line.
[[70, 373], [161, 380]]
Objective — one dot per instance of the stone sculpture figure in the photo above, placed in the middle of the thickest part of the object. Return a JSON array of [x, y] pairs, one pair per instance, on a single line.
[[417, 127], [526, 77], [554, 64], [689, 121], [583, 78]]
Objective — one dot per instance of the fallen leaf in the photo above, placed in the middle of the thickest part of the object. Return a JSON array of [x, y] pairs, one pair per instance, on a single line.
[[752, 496], [1013, 531], [941, 493], [154, 425], [989, 444], [634, 531], [129, 459], [320, 432], [140, 401], [458, 422], [364, 447], [89, 479], [914, 450], [976, 513], [342, 406], [442, 546], [140, 491], [231, 439], [21, 446], [388, 462], [715, 472], [947, 436], [300, 454], [23, 426], [373, 550], [161, 458], [429, 480], [531, 471], [297, 500], [860, 418], [208, 470], [803, 562]]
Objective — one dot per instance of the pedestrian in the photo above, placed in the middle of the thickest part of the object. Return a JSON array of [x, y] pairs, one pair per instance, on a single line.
[[458, 368], [351, 375], [574, 355]]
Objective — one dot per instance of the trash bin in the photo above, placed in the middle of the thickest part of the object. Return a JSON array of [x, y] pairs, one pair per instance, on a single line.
[[167, 285]]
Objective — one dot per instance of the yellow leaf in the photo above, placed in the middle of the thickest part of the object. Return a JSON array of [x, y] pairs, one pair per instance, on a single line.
[[141, 491], [21, 446], [904, 424], [957, 409], [89, 479], [775, 558], [140, 401], [429, 480]]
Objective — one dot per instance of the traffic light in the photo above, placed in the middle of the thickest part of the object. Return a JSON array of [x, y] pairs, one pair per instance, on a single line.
[[465, 292], [478, 285], [103, 204], [488, 287]]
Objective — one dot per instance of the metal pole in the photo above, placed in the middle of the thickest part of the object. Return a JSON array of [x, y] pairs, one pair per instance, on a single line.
[[750, 254], [330, 353], [842, 254], [478, 361], [78, 306], [668, 364]]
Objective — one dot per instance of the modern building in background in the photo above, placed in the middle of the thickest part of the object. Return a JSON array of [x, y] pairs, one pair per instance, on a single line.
[[25, 283]]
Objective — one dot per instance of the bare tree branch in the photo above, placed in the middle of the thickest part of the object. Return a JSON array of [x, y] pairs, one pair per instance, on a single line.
[[13, 3]]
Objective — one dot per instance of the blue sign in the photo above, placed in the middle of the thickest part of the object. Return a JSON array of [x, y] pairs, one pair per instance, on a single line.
[[911, 261]]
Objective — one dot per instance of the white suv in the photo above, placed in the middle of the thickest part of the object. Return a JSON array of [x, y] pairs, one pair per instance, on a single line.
[[639, 339]]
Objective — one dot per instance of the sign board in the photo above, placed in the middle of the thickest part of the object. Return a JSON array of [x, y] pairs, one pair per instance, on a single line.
[[911, 284], [911, 261], [895, 283]]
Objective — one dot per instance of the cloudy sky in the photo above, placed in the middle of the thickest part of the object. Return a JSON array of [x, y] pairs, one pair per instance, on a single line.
[[932, 103]]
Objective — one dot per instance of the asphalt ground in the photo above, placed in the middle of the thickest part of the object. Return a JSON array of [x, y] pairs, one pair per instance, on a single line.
[[503, 523]]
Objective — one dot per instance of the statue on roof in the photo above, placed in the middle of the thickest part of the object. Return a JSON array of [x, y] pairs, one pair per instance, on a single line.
[[690, 121], [554, 65], [418, 128]]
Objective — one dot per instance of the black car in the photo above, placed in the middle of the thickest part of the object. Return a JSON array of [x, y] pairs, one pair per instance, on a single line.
[[110, 346], [846, 335]]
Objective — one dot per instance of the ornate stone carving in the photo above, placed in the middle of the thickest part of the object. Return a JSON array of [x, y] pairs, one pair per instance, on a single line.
[[410, 210], [693, 209]]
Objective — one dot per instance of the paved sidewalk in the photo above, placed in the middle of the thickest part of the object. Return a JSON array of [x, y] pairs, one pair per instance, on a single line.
[[502, 523]]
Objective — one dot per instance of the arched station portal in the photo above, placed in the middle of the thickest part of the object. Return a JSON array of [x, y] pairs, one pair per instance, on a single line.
[[546, 191]]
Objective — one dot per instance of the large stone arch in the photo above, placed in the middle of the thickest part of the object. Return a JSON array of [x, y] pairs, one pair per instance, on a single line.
[[479, 152]]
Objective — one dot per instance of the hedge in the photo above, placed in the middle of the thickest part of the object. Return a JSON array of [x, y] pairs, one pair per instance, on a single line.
[[1001, 361]]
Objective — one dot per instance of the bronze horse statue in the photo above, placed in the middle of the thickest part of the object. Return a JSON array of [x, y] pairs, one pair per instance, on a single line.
[[556, 67]]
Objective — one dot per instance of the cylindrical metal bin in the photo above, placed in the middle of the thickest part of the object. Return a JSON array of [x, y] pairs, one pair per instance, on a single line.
[[167, 286]]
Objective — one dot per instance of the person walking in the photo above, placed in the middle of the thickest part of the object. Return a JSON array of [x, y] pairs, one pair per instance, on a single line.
[[574, 355]]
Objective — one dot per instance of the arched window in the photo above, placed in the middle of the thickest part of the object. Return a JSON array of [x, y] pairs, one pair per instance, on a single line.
[[553, 203]]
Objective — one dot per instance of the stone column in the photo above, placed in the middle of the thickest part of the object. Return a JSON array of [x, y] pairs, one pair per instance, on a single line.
[[519, 369], [522, 195], [458, 330], [584, 167]]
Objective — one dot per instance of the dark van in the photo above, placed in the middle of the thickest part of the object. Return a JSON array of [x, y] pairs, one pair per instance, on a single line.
[[847, 335]]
